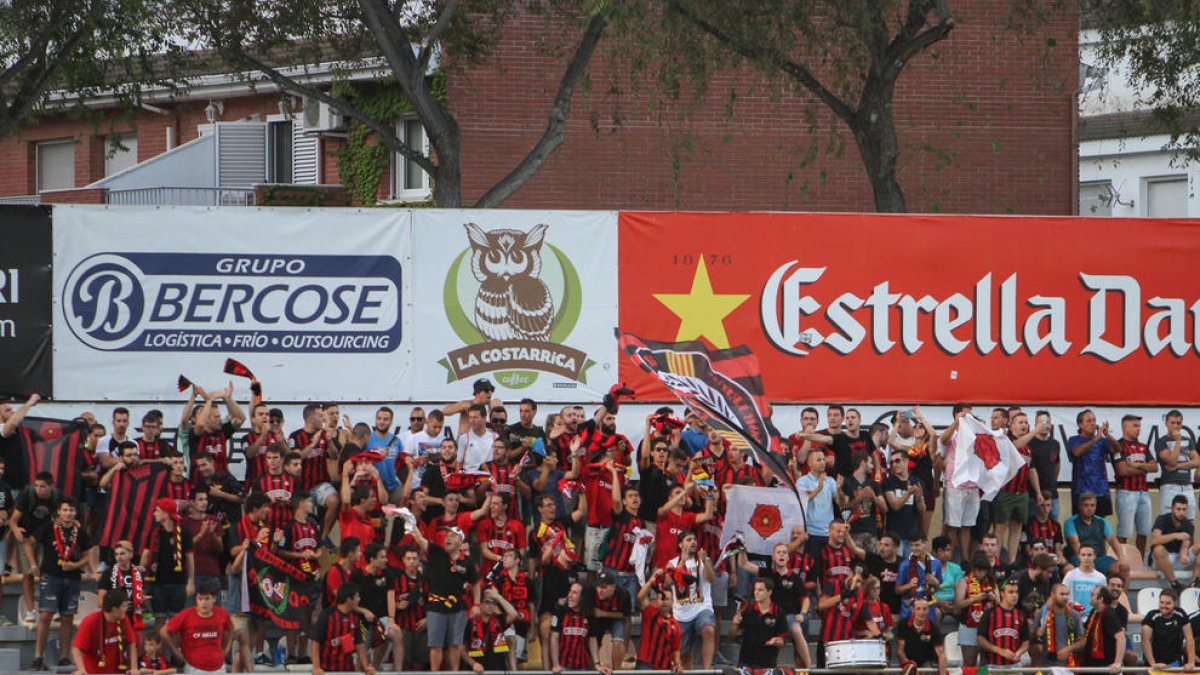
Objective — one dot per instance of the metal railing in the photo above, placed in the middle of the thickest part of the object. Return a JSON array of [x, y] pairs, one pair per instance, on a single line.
[[181, 196], [22, 200]]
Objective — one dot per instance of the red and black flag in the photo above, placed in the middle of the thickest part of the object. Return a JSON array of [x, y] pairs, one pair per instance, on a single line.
[[55, 446], [131, 498], [235, 367], [723, 385], [276, 589]]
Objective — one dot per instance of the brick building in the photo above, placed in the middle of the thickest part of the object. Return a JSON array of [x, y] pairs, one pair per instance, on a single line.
[[986, 119]]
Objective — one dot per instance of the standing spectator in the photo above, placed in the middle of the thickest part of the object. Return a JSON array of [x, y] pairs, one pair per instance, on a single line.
[[204, 633], [524, 429], [693, 576], [791, 592], [377, 605], [449, 578], [207, 545], [225, 497], [260, 437], [1046, 456], [658, 471], [877, 619], [885, 566], [1177, 454], [1104, 636], [611, 608], [673, 521], [1044, 528], [65, 550], [622, 537], [1088, 451], [487, 649], [569, 630], [861, 498], [410, 592], [170, 559], [1085, 578], [919, 447], [819, 511], [475, 443], [1132, 462], [106, 642], [1086, 529], [278, 485], [555, 558], [336, 643], [844, 443], [10, 443], [961, 505], [841, 605], [1171, 541], [1010, 508], [1004, 633], [127, 578], [1167, 640], [974, 596], [917, 574], [1060, 630], [514, 585], [33, 512], [951, 574], [659, 647], [905, 500], [151, 447], [204, 430], [763, 625], [299, 546]]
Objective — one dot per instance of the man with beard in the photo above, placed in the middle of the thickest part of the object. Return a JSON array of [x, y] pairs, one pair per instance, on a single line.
[[475, 444], [204, 430], [1171, 542], [846, 443], [1059, 634], [106, 448], [446, 613], [224, 492], [437, 470], [885, 566], [1167, 640], [1104, 636]]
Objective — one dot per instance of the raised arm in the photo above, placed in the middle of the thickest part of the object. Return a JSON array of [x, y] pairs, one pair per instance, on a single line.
[[14, 420]]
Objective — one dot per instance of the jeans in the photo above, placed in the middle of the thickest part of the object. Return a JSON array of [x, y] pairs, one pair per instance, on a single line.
[[1133, 513]]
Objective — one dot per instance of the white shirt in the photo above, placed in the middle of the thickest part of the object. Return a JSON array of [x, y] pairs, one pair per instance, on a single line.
[[1080, 585], [699, 595], [474, 450]]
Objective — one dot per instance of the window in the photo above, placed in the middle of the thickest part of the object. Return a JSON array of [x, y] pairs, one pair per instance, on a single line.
[[120, 153], [1095, 199], [410, 182], [279, 149], [1167, 197], [55, 165]]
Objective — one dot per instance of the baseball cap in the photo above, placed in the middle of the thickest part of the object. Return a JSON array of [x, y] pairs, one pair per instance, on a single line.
[[1130, 417], [483, 384], [459, 532], [907, 415], [605, 579]]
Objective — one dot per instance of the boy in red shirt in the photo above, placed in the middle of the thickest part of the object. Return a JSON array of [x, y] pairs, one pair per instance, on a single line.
[[105, 642], [204, 631]]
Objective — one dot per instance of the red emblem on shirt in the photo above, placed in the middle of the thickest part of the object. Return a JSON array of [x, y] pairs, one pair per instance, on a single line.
[[766, 520]]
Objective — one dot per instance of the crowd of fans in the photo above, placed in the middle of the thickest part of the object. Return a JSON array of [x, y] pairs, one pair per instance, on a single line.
[[468, 540]]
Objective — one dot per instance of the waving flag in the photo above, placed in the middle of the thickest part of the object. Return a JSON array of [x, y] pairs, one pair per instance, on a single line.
[[725, 386], [55, 446], [984, 457], [761, 516], [274, 588], [131, 504]]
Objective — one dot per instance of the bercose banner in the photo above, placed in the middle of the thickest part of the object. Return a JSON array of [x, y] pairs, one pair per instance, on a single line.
[[311, 301], [25, 305], [856, 308], [527, 299]]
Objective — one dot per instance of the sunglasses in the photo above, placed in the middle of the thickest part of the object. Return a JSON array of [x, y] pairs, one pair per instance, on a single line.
[[416, 419], [898, 461]]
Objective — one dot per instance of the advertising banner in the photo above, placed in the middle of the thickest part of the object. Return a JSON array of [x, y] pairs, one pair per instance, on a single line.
[[312, 301], [25, 306], [527, 299], [856, 308]]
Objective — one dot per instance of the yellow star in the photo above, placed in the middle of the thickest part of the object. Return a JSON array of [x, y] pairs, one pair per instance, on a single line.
[[702, 313]]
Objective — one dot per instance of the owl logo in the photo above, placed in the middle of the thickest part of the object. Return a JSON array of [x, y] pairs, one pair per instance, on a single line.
[[512, 302]]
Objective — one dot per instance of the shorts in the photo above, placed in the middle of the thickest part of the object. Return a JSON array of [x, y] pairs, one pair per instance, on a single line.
[[233, 596], [168, 599], [446, 630], [197, 671], [1010, 507], [983, 522], [373, 632], [416, 647], [58, 595], [962, 506], [968, 636], [720, 590], [1104, 505], [614, 627], [689, 631], [1133, 513], [322, 492], [593, 539], [241, 622], [1168, 491], [629, 582]]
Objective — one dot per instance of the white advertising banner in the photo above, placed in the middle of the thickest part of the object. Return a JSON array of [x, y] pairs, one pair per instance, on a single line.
[[311, 301], [527, 299]]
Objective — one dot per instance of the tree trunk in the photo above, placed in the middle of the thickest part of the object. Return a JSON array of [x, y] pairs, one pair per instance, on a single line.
[[874, 131]]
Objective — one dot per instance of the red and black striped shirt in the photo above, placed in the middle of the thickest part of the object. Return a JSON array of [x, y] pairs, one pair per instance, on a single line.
[[572, 627], [299, 537], [257, 465], [414, 589], [148, 450], [661, 636], [499, 538], [248, 529], [504, 481], [1020, 482], [178, 491], [337, 632], [621, 540], [313, 471], [835, 564], [516, 590], [280, 489], [1049, 532], [1131, 451], [708, 537], [839, 621], [1004, 628]]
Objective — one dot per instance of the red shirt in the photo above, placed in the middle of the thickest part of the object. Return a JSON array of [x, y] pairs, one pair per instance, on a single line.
[[435, 530], [354, 525], [498, 539], [662, 639], [597, 483], [200, 638], [88, 639], [666, 543], [1132, 451]]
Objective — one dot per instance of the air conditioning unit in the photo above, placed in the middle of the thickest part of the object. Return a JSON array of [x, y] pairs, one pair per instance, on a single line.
[[320, 116]]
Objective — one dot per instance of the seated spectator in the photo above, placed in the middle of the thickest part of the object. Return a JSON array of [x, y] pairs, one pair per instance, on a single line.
[[1086, 528], [1171, 542], [1167, 640]]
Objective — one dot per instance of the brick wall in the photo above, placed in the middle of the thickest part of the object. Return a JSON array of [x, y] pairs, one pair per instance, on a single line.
[[999, 109]]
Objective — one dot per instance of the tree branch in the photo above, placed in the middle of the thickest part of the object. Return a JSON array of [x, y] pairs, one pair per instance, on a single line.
[[552, 137], [386, 134], [795, 70], [435, 33], [394, 44], [30, 91], [905, 51]]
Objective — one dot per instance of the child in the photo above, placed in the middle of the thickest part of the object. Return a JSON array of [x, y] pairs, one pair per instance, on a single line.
[[153, 662]]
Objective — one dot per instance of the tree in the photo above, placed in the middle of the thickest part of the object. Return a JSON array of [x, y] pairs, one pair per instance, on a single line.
[[81, 48], [1158, 43], [409, 35], [846, 54]]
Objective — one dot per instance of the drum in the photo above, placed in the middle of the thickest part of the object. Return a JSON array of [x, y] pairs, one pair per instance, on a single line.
[[855, 654]]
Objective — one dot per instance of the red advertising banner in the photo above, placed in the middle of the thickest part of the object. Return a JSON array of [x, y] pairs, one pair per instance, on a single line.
[[881, 308]]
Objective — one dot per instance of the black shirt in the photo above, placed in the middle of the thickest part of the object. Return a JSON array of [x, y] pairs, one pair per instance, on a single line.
[[518, 431], [757, 628], [863, 512], [1031, 595], [1045, 460], [1166, 635], [1166, 524], [6, 497], [887, 573], [36, 513], [920, 646], [167, 554], [374, 589], [1106, 633], [906, 520], [447, 581], [231, 511], [14, 459], [75, 546], [655, 488], [844, 449]]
